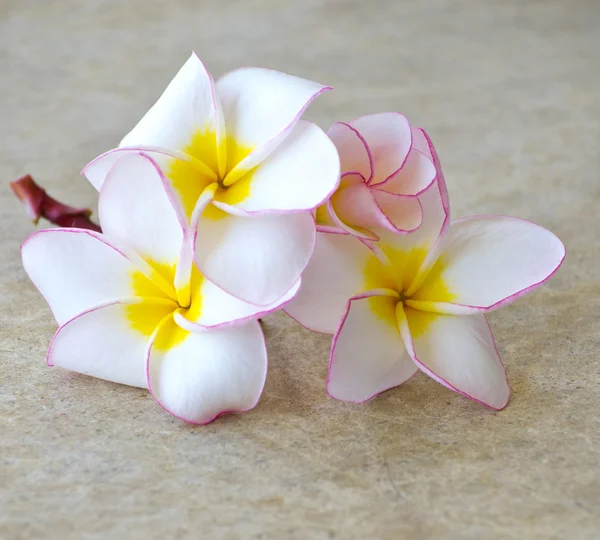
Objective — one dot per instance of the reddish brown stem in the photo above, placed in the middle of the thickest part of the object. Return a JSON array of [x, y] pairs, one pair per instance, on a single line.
[[38, 204]]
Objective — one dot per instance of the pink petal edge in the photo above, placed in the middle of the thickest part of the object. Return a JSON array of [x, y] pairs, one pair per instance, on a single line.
[[445, 383], [298, 277], [368, 294], [221, 413]]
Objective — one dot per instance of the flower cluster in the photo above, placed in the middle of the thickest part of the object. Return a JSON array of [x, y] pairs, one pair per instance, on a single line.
[[222, 205]]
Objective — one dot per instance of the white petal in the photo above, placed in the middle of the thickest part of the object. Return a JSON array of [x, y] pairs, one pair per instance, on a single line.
[[458, 352], [414, 177], [76, 270], [367, 355], [489, 261], [260, 107], [340, 268], [388, 137], [97, 170], [213, 307], [257, 259], [187, 108], [404, 214], [353, 150], [134, 206], [107, 343], [197, 376], [299, 175]]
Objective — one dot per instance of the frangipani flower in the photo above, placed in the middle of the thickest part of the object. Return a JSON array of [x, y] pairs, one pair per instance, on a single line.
[[240, 146], [385, 164], [417, 301], [133, 309]]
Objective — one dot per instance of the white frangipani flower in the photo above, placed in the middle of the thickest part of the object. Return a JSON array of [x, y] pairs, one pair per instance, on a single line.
[[240, 146], [133, 309]]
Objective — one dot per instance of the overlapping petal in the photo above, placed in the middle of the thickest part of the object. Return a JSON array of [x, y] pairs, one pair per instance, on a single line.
[[133, 206], [77, 270], [412, 255], [388, 137], [299, 175], [212, 307], [109, 342], [367, 354], [340, 268], [198, 376], [364, 212], [415, 176], [458, 352], [355, 156], [187, 109], [260, 108], [487, 262], [257, 259]]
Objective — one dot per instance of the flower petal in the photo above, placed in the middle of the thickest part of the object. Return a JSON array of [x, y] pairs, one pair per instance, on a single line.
[[187, 111], [97, 170], [185, 177], [354, 209], [197, 376], [340, 268], [414, 177], [257, 259], [363, 211], [213, 307], [458, 352], [108, 342], [134, 207], [76, 270], [355, 156], [388, 137], [367, 354], [260, 108], [404, 214], [488, 261], [299, 175], [412, 255]]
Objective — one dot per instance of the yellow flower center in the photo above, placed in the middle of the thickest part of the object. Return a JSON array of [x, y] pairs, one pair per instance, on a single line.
[[204, 162], [409, 289], [156, 305]]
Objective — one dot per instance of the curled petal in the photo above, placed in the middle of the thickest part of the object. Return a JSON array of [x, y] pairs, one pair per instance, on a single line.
[[340, 268], [364, 212], [367, 355], [404, 214], [108, 342], [488, 261], [260, 108], [257, 259], [197, 376], [388, 137], [212, 307], [77, 270], [135, 208], [458, 352], [414, 177], [412, 255], [299, 175], [355, 156]]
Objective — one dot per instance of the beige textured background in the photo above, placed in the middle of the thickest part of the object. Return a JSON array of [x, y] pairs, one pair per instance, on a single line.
[[510, 92]]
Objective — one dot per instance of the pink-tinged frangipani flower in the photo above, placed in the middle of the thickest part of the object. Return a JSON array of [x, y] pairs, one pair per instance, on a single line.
[[417, 301], [133, 309], [240, 144], [385, 165]]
